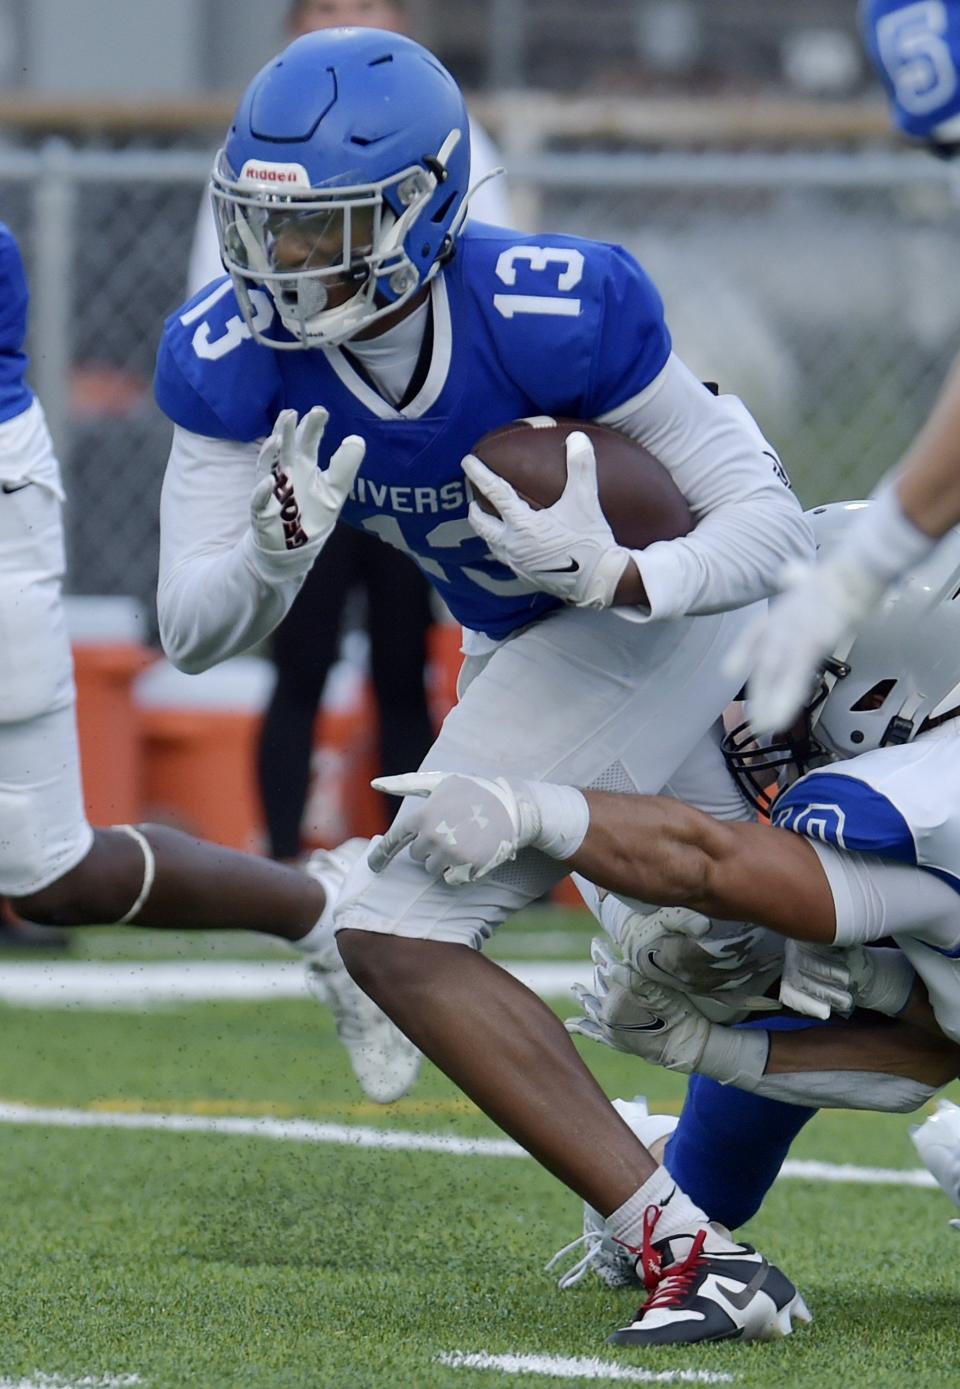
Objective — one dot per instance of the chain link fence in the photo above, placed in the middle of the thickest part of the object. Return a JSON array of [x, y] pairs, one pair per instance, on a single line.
[[822, 287]]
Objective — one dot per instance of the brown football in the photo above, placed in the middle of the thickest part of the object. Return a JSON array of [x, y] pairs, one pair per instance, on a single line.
[[638, 496]]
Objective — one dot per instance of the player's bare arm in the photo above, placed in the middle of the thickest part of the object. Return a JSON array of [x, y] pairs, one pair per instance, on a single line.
[[651, 847], [663, 851], [928, 481]]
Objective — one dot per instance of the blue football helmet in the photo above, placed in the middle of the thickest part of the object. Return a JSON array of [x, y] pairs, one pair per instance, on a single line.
[[341, 186], [915, 47]]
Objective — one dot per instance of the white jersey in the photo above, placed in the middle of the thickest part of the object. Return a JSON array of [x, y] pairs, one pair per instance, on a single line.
[[901, 803], [886, 828]]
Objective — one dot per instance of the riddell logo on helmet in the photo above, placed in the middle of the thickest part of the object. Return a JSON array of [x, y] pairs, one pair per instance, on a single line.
[[256, 172]]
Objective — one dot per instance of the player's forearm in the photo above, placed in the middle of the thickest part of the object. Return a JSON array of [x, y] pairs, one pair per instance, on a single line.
[[666, 852], [750, 523], [889, 1048], [212, 607], [928, 485], [733, 558], [651, 847]]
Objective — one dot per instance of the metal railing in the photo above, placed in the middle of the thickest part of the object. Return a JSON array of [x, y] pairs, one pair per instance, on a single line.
[[821, 286]]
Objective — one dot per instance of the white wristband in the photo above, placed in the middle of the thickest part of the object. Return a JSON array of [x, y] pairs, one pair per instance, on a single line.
[[564, 818], [884, 540], [735, 1056]]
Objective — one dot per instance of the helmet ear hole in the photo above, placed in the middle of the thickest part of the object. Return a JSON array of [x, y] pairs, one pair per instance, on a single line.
[[874, 697]]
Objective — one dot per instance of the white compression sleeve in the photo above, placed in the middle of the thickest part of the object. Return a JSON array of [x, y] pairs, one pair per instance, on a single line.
[[218, 594], [874, 898], [886, 1094], [749, 523]]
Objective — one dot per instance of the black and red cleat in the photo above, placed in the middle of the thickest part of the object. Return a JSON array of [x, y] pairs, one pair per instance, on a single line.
[[705, 1287]]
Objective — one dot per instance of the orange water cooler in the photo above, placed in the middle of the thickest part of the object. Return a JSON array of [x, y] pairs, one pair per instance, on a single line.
[[106, 634], [199, 741]]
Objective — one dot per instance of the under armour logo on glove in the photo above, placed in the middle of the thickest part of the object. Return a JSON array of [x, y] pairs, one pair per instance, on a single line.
[[464, 828]]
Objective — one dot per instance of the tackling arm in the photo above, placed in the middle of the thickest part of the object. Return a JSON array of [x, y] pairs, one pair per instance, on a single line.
[[663, 851], [928, 482]]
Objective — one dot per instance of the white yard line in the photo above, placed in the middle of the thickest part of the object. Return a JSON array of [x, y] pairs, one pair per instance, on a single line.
[[569, 1367], [140, 984], [397, 1140], [42, 1381]]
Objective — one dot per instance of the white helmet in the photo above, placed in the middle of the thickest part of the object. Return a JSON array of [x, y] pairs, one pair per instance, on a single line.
[[903, 665], [899, 670]]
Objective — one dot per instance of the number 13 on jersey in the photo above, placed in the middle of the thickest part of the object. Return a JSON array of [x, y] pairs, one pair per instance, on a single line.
[[565, 264]]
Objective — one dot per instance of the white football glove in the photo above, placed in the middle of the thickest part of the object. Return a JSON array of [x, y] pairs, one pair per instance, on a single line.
[[782, 652], [297, 503], [567, 549], [726, 965], [466, 827], [632, 1014], [820, 980], [815, 980]]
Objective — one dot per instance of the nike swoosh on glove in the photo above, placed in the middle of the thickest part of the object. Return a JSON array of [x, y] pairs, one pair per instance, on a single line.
[[726, 965], [297, 503], [630, 1013], [567, 549]]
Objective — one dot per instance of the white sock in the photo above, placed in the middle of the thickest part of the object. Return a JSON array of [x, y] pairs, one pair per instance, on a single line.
[[678, 1214], [320, 939]]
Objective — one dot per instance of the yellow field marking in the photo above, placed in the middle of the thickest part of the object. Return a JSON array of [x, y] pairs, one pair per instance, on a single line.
[[283, 1109], [359, 1109]]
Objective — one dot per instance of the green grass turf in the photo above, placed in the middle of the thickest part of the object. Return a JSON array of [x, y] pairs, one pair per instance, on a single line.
[[538, 934], [223, 1262]]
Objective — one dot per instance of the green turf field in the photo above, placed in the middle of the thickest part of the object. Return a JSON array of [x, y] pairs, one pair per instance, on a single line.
[[223, 1260]]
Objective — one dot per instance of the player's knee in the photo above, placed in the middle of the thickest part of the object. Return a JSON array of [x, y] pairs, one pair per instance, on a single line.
[[96, 891], [60, 903], [368, 957]]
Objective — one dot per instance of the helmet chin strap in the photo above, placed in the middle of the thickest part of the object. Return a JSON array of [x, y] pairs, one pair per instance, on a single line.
[[464, 207]]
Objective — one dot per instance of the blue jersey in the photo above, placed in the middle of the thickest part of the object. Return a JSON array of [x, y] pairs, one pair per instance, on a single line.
[[901, 803], [521, 326], [15, 394]]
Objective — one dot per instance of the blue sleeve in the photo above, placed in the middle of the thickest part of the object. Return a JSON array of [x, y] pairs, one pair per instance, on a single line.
[[14, 295], [231, 390], [180, 400], [633, 342], [847, 813]]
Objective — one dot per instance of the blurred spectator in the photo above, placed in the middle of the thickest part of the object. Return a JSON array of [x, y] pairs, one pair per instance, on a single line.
[[398, 605]]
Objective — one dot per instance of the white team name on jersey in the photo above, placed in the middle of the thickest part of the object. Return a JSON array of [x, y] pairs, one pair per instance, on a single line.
[[452, 496]]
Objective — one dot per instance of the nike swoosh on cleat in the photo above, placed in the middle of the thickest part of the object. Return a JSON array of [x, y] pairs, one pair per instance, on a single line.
[[570, 568], [742, 1299]]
